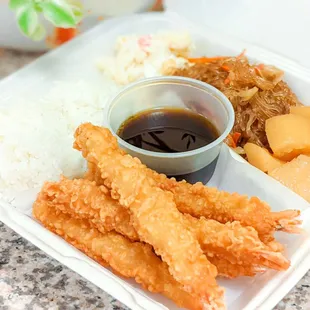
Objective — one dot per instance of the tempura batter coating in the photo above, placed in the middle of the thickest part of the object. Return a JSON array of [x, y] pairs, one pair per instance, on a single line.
[[230, 242], [153, 213], [199, 200], [235, 243], [228, 270], [129, 259], [61, 197], [85, 200]]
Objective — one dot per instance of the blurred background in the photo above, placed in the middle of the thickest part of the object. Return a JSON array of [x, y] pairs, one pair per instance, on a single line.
[[16, 50], [277, 25]]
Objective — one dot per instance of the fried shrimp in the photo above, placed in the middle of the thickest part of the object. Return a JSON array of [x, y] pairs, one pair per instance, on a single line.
[[129, 259], [231, 242], [199, 200], [153, 213]]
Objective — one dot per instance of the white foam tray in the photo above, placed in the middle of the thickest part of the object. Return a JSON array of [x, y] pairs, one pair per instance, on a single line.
[[76, 60]]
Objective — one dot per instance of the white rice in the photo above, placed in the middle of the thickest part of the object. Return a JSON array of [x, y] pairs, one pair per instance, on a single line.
[[36, 137]]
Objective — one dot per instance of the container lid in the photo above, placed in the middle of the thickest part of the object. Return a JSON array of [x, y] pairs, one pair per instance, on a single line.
[[279, 25]]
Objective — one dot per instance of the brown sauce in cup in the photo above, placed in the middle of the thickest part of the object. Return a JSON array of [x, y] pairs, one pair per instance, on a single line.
[[171, 130], [168, 130]]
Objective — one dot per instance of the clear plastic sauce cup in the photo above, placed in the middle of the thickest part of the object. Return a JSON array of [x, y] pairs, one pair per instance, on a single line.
[[174, 92]]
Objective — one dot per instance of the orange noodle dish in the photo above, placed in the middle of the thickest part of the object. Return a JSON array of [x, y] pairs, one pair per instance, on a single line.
[[257, 93]]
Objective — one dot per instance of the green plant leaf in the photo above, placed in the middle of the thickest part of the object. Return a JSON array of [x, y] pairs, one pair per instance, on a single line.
[[77, 8], [16, 4], [27, 19], [59, 13], [78, 14], [39, 33]]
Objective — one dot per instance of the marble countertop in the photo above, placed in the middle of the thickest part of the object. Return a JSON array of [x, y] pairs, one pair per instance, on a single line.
[[29, 279]]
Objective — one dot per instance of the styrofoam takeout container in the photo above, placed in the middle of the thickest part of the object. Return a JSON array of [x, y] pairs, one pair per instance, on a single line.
[[76, 60]]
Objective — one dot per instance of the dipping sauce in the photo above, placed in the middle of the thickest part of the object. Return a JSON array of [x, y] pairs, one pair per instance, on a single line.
[[168, 130], [171, 130]]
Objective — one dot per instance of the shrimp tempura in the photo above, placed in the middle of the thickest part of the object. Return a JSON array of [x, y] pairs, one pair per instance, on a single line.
[[153, 213], [237, 245], [200, 200], [129, 259]]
